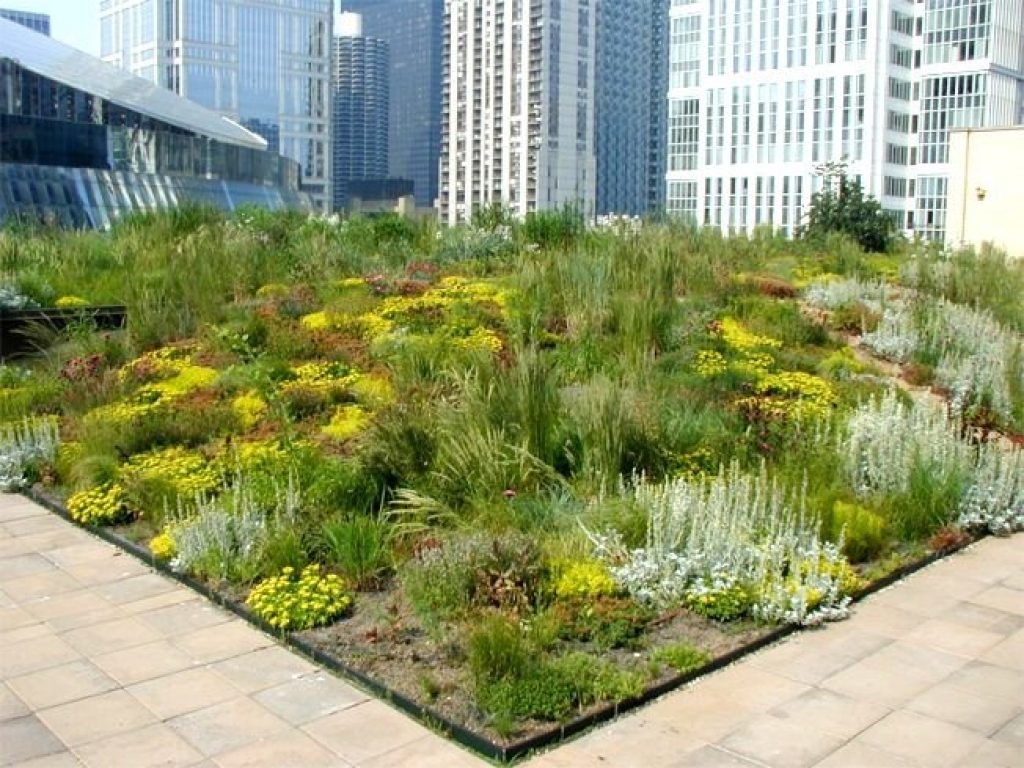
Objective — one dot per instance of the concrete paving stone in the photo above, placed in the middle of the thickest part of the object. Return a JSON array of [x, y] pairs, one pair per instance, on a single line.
[[895, 674], [290, 750], [426, 753], [631, 739], [59, 685], [922, 739], [709, 716], [10, 705], [823, 710], [994, 754], [30, 523], [1002, 599], [36, 653], [154, 746], [143, 662], [849, 640], [137, 588], [183, 617], [751, 688], [714, 757], [1012, 732], [14, 617], [806, 667], [984, 618], [221, 642], [857, 754], [883, 620], [57, 760], [954, 638], [1014, 581], [23, 565], [262, 669], [975, 711], [995, 681], [25, 738], [183, 692], [310, 698], [81, 619], [916, 599], [110, 636], [67, 604], [175, 596], [227, 726], [106, 570], [365, 731], [96, 717], [1009, 653], [26, 632], [38, 585], [84, 552], [780, 743]]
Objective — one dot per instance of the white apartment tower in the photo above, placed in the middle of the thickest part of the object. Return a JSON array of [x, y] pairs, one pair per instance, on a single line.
[[518, 106], [762, 92]]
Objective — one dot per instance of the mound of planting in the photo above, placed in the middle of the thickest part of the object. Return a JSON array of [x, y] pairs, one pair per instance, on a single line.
[[521, 473]]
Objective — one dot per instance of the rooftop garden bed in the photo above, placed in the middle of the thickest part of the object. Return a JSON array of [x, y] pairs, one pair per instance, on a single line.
[[519, 474]]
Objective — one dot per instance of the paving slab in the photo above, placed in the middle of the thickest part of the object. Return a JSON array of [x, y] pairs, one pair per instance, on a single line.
[[104, 662]]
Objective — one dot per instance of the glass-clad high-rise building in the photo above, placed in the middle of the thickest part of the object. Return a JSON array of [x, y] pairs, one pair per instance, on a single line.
[[37, 22], [413, 30], [263, 63], [630, 107], [360, 104]]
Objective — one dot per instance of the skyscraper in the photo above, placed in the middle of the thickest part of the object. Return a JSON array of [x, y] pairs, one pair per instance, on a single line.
[[263, 63], [37, 22], [762, 93], [630, 85], [518, 106], [360, 104], [413, 31]]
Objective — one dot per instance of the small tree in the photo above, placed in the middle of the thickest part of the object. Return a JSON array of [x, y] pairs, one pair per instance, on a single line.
[[842, 206]]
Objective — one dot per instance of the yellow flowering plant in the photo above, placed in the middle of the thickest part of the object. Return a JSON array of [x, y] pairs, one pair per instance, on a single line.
[[291, 601], [347, 422], [70, 302], [162, 546], [249, 408], [185, 472], [586, 580], [102, 505]]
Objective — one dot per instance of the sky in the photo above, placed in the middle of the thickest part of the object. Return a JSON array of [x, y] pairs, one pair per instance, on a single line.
[[75, 22]]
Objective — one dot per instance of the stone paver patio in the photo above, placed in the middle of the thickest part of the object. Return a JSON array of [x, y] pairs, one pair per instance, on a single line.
[[104, 662]]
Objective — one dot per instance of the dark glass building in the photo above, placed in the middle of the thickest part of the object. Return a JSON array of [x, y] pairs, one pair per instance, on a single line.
[[359, 80], [630, 109], [82, 142], [263, 63], [37, 22], [413, 29]]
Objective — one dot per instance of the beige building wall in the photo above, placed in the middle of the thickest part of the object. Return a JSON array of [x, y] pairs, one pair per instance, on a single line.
[[986, 188]]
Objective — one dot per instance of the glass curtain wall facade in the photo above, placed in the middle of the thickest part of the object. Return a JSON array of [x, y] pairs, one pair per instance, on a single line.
[[360, 112], [81, 157], [413, 30], [632, 65], [262, 63], [37, 22]]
